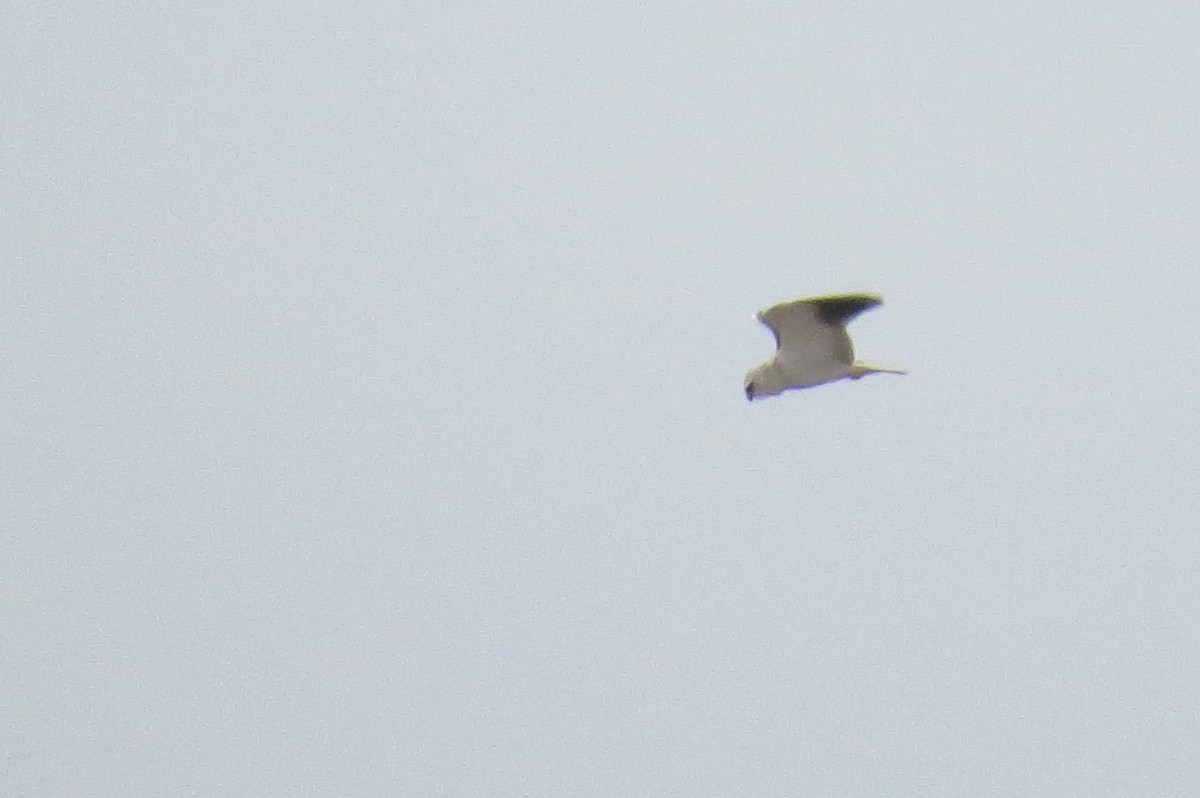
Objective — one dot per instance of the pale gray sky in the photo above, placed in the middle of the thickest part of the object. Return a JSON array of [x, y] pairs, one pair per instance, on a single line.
[[373, 421]]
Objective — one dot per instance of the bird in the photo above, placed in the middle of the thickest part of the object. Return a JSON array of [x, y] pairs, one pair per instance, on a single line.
[[812, 346]]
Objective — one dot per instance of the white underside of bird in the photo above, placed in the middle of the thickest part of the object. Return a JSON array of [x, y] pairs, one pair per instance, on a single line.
[[812, 345]]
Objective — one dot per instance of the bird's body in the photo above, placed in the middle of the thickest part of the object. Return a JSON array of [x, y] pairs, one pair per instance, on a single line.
[[812, 345]]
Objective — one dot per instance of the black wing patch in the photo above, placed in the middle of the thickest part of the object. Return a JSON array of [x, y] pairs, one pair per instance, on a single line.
[[838, 310]]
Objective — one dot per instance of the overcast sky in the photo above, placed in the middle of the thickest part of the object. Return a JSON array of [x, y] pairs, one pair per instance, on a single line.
[[372, 412]]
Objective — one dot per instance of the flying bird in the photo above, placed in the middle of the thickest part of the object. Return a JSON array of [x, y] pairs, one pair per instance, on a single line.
[[811, 345]]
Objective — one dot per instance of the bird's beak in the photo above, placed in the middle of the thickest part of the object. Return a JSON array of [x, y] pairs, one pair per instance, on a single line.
[[749, 394]]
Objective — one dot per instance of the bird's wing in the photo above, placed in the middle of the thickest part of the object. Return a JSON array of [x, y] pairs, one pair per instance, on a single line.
[[815, 329]]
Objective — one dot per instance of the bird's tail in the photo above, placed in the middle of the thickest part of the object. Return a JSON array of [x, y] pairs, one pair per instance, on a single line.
[[860, 370]]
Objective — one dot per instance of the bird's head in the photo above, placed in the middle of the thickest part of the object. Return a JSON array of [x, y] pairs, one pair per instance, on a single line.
[[763, 381]]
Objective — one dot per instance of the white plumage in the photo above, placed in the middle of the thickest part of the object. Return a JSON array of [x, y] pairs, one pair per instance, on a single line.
[[812, 345]]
